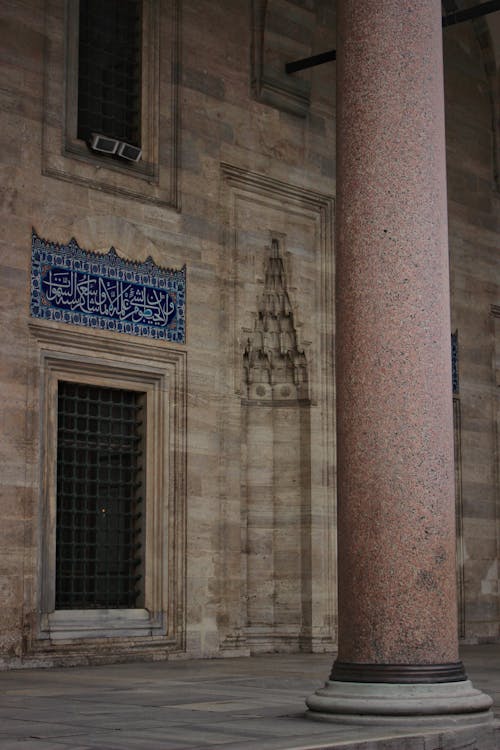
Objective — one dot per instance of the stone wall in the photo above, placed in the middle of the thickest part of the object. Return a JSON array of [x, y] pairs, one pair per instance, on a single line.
[[243, 162], [474, 223]]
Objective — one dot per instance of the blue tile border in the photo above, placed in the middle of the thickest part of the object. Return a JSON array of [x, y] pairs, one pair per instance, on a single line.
[[454, 363], [102, 290]]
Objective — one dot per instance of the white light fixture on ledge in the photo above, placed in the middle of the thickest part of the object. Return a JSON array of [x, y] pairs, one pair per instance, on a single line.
[[105, 145]]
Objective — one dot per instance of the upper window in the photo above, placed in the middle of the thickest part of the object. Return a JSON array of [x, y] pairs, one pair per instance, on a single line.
[[111, 96], [283, 30], [109, 74]]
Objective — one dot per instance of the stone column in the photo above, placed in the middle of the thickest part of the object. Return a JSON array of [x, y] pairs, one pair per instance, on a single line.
[[398, 645]]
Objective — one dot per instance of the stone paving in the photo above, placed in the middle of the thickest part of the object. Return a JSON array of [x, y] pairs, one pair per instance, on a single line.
[[245, 703]]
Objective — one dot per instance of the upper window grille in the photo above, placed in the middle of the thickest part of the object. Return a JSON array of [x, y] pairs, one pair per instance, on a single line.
[[109, 70], [99, 551]]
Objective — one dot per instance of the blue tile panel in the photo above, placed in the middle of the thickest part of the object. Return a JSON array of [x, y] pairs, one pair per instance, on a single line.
[[454, 362], [102, 290]]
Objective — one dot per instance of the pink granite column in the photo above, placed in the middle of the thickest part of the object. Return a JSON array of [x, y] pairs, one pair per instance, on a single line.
[[396, 538]]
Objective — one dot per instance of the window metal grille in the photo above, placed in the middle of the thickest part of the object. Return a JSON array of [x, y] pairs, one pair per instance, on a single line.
[[99, 560], [109, 69]]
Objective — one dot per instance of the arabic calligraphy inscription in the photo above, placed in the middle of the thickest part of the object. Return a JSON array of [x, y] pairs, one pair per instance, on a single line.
[[72, 285]]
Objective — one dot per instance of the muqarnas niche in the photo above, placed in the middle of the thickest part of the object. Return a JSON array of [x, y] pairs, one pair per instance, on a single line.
[[276, 414], [102, 290], [275, 367]]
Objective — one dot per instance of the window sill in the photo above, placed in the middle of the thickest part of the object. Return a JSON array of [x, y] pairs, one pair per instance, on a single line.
[[71, 624], [142, 169]]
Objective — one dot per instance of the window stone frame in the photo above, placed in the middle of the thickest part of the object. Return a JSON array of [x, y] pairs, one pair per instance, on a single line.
[[270, 83], [159, 372], [154, 178]]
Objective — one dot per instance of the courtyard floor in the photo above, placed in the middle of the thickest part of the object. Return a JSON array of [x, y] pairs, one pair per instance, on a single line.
[[252, 703]]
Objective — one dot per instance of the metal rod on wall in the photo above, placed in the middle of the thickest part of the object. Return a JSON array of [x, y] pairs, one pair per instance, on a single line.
[[309, 62], [458, 16], [450, 19]]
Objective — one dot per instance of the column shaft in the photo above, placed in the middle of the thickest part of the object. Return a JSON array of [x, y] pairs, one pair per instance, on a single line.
[[395, 457], [398, 644]]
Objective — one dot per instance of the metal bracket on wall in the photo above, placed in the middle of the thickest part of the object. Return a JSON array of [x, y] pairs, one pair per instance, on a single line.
[[450, 19]]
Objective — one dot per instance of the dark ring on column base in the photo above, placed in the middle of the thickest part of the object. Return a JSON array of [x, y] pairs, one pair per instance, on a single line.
[[398, 673]]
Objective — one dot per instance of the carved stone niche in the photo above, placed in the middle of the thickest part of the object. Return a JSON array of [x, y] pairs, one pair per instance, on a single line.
[[282, 32], [275, 367], [278, 498]]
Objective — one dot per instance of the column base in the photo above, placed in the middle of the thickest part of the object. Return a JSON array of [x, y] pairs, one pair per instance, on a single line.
[[439, 704]]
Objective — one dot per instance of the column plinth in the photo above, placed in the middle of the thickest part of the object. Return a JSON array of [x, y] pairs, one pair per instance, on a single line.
[[443, 704], [398, 644]]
